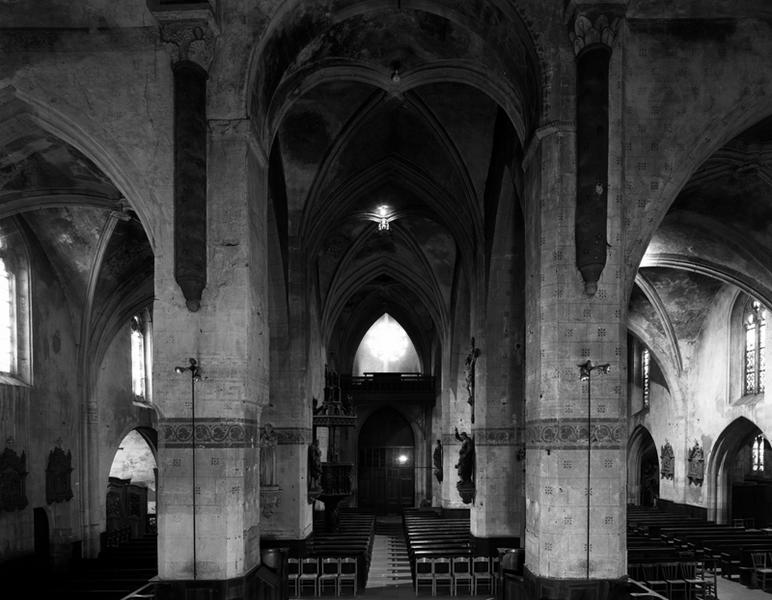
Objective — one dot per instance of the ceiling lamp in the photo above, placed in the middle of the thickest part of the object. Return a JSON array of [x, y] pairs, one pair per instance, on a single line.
[[383, 218]]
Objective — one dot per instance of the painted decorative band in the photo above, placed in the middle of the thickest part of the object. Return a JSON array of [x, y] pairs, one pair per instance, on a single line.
[[494, 436], [485, 436], [293, 435], [210, 433], [572, 433]]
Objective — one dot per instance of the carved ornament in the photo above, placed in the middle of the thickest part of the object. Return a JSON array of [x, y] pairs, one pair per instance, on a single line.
[[666, 460], [13, 472], [696, 467], [586, 33], [58, 488]]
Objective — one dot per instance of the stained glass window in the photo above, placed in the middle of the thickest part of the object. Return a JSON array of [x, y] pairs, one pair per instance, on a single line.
[[755, 323]]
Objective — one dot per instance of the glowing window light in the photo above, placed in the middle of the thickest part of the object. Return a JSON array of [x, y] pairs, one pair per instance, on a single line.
[[387, 341], [402, 459], [137, 357], [383, 215], [7, 319], [757, 454]]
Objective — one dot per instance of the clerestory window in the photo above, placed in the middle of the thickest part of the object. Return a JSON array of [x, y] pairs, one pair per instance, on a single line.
[[755, 324], [15, 367]]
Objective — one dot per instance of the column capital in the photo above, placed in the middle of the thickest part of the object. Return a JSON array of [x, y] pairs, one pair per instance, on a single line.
[[188, 31], [590, 26]]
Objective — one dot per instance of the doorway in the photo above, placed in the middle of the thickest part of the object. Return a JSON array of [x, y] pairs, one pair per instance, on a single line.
[[386, 466]]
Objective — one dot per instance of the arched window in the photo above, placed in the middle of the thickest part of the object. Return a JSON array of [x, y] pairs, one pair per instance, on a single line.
[[141, 351], [757, 454], [645, 373], [755, 323], [15, 365]]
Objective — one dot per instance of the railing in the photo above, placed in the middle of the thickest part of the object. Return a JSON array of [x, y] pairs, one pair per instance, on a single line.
[[147, 591], [388, 382]]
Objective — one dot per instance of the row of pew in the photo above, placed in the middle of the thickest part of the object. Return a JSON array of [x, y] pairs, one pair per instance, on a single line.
[[330, 549], [441, 552], [734, 551]]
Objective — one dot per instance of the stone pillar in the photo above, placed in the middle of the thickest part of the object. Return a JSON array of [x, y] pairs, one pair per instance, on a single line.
[[498, 508], [569, 434], [209, 432]]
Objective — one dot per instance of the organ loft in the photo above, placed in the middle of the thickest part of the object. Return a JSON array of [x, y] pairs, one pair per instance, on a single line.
[[285, 282]]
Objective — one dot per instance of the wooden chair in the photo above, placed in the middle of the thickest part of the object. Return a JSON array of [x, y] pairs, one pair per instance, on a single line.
[[760, 570], [309, 573], [676, 584], [424, 572], [293, 572], [330, 573], [462, 574], [481, 573], [348, 574], [443, 574], [652, 578]]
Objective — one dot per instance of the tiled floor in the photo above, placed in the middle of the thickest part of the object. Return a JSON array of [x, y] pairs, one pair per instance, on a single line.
[[732, 590]]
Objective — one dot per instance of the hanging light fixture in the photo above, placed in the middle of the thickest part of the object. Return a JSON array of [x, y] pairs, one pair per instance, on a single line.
[[383, 218]]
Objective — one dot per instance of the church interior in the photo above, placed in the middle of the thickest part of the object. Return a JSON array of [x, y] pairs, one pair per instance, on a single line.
[[287, 284]]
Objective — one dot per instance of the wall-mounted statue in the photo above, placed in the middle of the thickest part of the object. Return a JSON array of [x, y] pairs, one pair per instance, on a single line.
[[465, 467], [314, 466], [268, 441], [58, 471], [13, 472], [696, 470], [666, 461], [437, 460], [469, 368]]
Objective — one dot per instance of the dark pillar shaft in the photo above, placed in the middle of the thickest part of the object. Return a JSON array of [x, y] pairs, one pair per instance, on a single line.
[[190, 181], [592, 67]]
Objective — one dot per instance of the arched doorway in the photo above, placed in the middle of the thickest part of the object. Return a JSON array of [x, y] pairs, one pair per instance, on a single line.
[[131, 490], [642, 468], [386, 464], [739, 475]]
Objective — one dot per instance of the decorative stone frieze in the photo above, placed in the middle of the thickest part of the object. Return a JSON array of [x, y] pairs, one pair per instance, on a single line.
[[572, 433], [494, 436], [210, 433], [293, 435]]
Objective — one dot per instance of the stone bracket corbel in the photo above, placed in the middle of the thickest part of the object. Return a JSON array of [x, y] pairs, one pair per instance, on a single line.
[[592, 37], [189, 32]]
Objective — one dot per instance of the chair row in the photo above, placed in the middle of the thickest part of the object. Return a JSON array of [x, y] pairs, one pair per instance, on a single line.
[[691, 580], [454, 572], [319, 573]]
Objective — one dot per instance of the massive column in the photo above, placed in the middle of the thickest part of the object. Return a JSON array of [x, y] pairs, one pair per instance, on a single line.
[[209, 423], [576, 434]]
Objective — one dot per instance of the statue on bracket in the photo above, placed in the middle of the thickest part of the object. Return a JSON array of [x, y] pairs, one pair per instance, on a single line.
[[666, 460], [469, 367], [58, 471], [13, 472], [437, 460], [465, 467], [696, 471], [314, 471]]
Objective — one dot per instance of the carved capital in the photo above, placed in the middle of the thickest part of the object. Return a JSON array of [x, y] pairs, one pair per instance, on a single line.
[[189, 40], [188, 32], [586, 32]]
